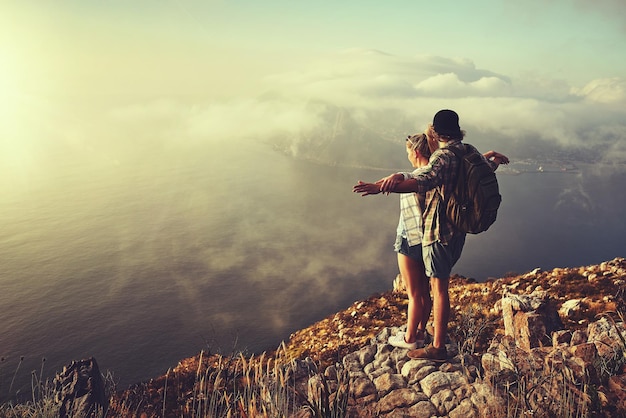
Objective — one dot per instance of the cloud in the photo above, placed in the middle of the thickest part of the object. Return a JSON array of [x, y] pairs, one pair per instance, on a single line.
[[606, 90], [574, 201], [249, 118], [449, 85], [215, 121], [373, 96], [366, 75], [370, 83]]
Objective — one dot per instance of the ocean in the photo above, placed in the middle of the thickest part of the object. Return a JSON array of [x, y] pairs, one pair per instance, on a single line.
[[140, 259]]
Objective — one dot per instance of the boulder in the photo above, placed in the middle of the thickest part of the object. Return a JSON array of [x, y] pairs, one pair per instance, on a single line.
[[80, 390], [529, 319]]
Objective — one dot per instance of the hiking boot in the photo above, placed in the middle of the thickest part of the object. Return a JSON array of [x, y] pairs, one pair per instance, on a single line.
[[429, 352]]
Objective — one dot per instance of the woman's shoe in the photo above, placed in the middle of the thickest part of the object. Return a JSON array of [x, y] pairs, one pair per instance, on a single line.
[[399, 341]]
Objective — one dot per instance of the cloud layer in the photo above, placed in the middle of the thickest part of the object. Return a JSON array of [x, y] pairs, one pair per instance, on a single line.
[[390, 96], [355, 99]]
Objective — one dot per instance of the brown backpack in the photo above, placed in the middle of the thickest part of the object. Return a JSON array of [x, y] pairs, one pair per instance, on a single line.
[[473, 204]]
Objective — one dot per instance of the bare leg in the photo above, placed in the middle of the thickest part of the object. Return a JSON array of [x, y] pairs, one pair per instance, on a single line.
[[441, 310], [416, 282], [427, 306]]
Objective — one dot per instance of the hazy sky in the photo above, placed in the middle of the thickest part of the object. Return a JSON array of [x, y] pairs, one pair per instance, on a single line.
[[75, 70]]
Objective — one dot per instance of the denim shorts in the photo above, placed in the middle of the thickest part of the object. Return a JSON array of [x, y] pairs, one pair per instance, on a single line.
[[402, 246], [439, 258]]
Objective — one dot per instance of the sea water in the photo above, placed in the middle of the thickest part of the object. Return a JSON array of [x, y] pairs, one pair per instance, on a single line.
[[141, 259]]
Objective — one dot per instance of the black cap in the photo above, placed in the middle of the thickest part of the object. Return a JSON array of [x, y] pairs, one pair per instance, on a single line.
[[446, 123]]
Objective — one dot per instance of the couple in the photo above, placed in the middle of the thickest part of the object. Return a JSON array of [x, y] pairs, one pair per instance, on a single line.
[[428, 245]]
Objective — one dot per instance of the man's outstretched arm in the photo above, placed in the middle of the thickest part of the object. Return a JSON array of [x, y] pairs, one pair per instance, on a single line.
[[367, 189]]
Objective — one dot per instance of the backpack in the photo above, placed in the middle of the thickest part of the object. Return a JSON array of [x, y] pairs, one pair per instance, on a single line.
[[473, 204]]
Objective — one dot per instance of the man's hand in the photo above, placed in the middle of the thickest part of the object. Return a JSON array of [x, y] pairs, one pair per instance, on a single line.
[[388, 183], [366, 189]]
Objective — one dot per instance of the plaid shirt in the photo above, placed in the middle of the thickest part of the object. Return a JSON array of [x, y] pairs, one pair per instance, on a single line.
[[436, 180], [410, 223]]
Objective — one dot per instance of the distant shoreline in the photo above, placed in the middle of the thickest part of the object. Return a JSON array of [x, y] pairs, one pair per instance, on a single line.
[[506, 170], [515, 168]]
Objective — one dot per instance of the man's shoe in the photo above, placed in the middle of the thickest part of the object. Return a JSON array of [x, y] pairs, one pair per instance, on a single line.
[[399, 341], [429, 352]]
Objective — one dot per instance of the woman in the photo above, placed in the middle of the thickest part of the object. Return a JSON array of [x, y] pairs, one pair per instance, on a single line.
[[409, 248]]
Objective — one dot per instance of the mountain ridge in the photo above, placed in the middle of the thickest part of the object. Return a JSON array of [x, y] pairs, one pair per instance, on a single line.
[[599, 289]]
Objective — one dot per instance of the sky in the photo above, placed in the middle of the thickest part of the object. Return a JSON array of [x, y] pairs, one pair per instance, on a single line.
[[73, 72]]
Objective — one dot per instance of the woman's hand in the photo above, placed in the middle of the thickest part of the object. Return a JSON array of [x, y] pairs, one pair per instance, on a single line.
[[366, 189]]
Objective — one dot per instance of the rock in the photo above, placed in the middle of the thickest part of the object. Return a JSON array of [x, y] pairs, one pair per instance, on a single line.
[[80, 390], [561, 337], [387, 382], [464, 410], [384, 335], [578, 337], [444, 401], [376, 371], [366, 354], [362, 387], [464, 392], [522, 303], [587, 352], [397, 413], [493, 364], [485, 399], [533, 345], [530, 330], [383, 360], [606, 336], [588, 357], [570, 308], [415, 370], [438, 381], [398, 284], [401, 398], [423, 409], [617, 384], [529, 319]]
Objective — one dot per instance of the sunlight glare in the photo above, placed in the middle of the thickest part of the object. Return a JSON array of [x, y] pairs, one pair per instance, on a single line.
[[9, 91], [14, 151]]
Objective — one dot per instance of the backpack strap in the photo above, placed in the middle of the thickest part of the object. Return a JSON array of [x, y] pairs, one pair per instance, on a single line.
[[459, 155], [457, 151]]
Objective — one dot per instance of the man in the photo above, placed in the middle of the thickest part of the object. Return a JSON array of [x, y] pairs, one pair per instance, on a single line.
[[442, 242]]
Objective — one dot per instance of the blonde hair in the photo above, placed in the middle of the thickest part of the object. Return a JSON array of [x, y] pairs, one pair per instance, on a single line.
[[420, 144]]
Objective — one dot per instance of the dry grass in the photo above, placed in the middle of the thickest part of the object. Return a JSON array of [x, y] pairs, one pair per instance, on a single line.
[[267, 385], [239, 386]]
